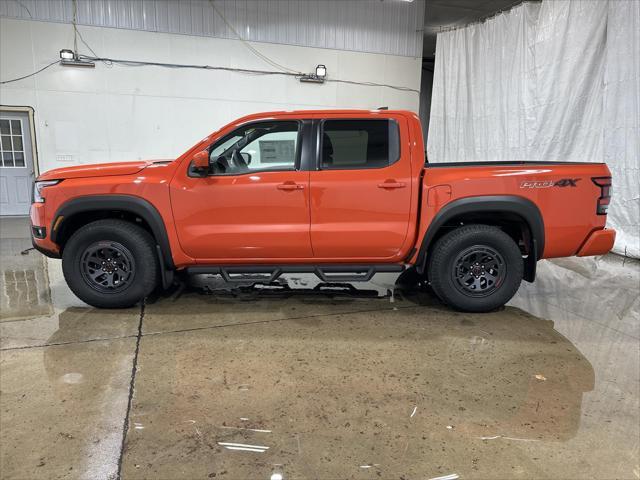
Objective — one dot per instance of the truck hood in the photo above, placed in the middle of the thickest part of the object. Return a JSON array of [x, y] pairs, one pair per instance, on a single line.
[[98, 170]]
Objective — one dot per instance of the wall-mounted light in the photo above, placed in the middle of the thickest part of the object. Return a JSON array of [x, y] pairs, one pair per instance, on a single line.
[[318, 77], [69, 58], [66, 54]]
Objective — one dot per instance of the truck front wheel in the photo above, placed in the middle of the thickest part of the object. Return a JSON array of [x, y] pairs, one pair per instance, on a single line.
[[110, 263], [475, 268]]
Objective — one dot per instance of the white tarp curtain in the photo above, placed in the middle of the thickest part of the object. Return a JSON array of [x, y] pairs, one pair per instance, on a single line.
[[552, 81]]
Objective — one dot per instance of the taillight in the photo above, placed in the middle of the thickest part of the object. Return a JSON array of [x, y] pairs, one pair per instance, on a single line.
[[605, 194]]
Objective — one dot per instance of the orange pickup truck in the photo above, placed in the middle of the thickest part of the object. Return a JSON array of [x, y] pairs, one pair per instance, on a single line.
[[342, 194]]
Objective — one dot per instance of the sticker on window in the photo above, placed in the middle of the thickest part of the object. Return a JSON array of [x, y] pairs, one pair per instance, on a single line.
[[277, 151]]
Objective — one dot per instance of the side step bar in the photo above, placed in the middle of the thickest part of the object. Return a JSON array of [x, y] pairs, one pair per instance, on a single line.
[[269, 273]]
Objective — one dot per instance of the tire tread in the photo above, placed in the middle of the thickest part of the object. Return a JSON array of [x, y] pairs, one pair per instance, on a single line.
[[142, 246], [450, 244]]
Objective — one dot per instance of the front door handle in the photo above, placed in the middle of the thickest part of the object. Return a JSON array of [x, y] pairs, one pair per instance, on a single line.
[[392, 184], [290, 186]]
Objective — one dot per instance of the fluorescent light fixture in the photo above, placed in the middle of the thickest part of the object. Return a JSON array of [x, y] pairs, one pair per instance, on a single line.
[[66, 54], [77, 63], [321, 71], [69, 58]]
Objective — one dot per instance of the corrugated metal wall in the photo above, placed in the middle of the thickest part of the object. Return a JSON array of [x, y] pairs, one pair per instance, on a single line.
[[390, 26]]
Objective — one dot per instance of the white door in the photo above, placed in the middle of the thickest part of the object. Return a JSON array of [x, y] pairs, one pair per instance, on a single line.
[[16, 163]]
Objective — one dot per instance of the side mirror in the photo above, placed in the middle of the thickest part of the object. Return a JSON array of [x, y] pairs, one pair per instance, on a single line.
[[200, 161]]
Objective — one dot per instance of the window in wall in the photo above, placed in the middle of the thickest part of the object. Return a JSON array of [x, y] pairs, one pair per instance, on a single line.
[[11, 143], [256, 147], [356, 144]]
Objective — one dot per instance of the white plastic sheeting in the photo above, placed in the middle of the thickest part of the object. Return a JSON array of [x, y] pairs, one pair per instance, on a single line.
[[621, 121], [552, 81]]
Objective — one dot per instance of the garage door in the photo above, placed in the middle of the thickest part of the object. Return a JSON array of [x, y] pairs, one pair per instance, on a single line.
[[16, 163]]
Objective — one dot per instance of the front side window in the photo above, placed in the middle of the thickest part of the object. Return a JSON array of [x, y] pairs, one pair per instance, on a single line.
[[357, 144], [256, 147]]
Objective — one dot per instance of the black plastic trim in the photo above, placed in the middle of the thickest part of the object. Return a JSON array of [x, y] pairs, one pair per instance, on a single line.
[[307, 153], [486, 204], [531, 263], [166, 275], [39, 232], [326, 273], [317, 144], [127, 203], [502, 163]]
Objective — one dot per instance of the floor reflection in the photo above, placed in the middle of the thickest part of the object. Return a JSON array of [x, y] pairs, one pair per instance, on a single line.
[[400, 390], [24, 283]]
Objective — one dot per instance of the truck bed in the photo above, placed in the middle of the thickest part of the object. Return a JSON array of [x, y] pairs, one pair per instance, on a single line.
[[507, 163]]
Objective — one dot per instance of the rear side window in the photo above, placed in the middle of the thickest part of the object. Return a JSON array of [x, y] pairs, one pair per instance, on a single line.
[[357, 144]]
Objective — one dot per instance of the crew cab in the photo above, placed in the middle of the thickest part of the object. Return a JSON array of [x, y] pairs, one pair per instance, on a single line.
[[343, 194]]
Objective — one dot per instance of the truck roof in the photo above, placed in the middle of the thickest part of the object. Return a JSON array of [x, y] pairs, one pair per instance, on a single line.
[[333, 111], [300, 113]]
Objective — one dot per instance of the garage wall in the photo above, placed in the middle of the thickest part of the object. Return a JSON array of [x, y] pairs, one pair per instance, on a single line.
[[115, 113], [391, 26]]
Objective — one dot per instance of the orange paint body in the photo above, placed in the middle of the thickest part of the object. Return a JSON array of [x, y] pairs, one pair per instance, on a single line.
[[569, 213], [320, 216]]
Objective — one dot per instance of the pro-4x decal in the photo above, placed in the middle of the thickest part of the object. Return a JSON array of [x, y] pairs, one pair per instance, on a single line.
[[565, 182]]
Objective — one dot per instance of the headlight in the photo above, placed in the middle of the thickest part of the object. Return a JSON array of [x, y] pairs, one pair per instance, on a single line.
[[37, 189]]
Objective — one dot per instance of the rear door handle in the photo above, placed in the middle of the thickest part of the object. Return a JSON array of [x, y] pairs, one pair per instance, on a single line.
[[392, 184], [290, 186]]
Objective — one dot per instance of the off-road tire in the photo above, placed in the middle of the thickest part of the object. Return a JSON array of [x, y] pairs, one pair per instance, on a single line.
[[135, 243], [449, 256]]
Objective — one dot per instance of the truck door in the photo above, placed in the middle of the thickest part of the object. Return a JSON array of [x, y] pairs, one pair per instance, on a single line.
[[361, 189], [253, 204]]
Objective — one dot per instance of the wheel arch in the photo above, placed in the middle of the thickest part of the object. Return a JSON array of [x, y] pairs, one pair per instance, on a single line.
[[501, 210], [82, 210]]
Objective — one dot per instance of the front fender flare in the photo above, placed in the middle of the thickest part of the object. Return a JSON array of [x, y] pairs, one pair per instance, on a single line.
[[126, 203]]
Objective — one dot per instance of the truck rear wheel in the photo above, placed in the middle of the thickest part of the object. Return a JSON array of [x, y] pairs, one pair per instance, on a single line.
[[110, 264], [475, 268]]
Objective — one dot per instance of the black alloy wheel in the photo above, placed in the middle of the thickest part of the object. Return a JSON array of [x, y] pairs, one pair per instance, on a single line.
[[479, 271], [107, 266]]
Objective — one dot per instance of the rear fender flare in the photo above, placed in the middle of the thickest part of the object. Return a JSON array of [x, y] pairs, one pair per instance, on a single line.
[[494, 204], [126, 203]]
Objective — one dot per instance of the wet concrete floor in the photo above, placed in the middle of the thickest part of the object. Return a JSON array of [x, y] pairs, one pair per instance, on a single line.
[[306, 380]]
